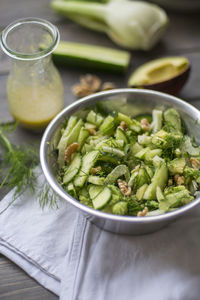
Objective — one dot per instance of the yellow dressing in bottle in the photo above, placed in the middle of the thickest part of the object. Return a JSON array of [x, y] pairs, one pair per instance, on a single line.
[[35, 108], [34, 86]]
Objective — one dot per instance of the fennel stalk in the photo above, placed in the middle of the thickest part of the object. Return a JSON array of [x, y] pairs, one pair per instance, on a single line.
[[130, 24]]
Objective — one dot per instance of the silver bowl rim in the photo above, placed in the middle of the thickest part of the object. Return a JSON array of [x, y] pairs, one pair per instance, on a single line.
[[63, 194]]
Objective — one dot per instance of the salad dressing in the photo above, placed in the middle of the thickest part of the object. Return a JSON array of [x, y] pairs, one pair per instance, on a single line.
[[34, 86], [35, 108]]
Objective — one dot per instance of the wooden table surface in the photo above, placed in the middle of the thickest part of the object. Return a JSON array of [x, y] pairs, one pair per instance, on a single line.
[[181, 38]]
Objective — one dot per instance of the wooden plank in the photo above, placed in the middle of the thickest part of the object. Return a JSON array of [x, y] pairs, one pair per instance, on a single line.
[[4, 63], [182, 33], [71, 76], [16, 285], [182, 37], [12, 10]]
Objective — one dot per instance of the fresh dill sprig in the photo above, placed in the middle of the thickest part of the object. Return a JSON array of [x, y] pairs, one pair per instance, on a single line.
[[17, 171], [19, 164], [47, 197], [9, 126]]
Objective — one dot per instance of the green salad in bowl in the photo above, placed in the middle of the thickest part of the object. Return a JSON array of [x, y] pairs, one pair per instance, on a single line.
[[142, 166]]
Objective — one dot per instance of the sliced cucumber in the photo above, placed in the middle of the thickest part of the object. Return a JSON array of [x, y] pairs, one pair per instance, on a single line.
[[141, 153], [121, 135], [135, 148], [132, 178], [116, 173], [70, 124], [135, 126], [94, 190], [96, 140], [125, 118], [109, 159], [119, 143], [132, 124], [107, 126], [69, 139], [152, 153], [83, 135], [86, 148], [149, 171], [144, 139], [140, 192], [159, 180], [88, 161], [94, 118], [159, 194], [114, 151], [157, 120], [102, 198], [72, 169], [90, 125], [96, 180], [71, 190]]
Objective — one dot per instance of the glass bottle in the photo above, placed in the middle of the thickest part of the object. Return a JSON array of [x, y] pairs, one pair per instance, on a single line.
[[34, 86]]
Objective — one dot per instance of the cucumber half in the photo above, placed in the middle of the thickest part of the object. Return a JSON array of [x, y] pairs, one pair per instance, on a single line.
[[91, 57]]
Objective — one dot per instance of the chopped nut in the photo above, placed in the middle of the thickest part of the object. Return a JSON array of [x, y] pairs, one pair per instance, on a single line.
[[70, 150], [108, 86], [92, 131], [93, 171], [123, 125], [80, 90], [89, 84], [170, 182], [91, 81], [143, 212], [195, 163], [123, 186], [179, 180], [144, 124]]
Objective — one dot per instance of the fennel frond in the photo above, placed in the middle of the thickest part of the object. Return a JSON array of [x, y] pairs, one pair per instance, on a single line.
[[18, 171]]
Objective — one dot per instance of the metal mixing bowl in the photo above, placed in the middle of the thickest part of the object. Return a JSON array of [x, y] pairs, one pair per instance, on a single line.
[[131, 102]]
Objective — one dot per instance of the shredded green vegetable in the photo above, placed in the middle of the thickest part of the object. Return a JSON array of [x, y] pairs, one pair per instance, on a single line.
[[130, 166]]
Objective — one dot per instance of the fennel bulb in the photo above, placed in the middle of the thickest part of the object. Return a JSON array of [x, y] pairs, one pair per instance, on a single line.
[[130, 24]]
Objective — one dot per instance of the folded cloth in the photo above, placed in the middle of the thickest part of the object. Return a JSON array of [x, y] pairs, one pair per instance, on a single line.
[[37, 239], [56, 246], [164, 265]]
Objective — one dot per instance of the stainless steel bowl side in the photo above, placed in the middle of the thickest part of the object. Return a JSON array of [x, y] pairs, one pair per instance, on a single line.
[[132, 102]]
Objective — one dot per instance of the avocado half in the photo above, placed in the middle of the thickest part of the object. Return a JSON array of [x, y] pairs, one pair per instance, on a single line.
[[167, 74]]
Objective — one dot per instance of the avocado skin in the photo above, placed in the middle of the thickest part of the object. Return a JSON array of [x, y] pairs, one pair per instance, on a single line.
[[171, 86]]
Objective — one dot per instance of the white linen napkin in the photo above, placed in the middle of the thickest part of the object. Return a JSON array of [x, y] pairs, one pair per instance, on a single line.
[[78, 261], [37, 239]]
